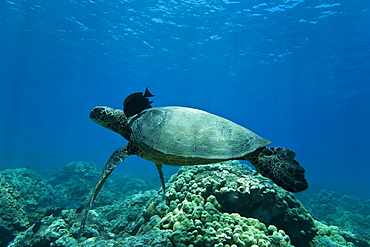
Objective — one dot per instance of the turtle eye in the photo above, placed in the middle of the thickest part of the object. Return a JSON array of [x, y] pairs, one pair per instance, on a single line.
[[267, 152], [94, 113]]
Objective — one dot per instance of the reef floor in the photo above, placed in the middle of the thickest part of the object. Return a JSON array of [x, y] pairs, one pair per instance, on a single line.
[[223, 204]]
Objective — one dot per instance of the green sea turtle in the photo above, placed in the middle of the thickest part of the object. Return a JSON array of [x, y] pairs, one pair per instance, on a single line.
[[181, 136]]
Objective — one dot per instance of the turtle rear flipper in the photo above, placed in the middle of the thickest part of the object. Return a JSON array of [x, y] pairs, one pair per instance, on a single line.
[[279, 165]]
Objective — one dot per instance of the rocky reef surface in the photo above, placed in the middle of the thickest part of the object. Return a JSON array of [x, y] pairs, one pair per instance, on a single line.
[[333, 208], [225, 204]]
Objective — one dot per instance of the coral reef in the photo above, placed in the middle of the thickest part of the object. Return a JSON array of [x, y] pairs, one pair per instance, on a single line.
[[225, 204], [349, 213], [73, 183], [26, 197], [193, 223], [13, 217], [32, 187], [334, 236], [238, 189]]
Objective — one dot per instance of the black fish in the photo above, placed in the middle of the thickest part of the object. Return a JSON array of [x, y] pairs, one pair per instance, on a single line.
[[136, 103]]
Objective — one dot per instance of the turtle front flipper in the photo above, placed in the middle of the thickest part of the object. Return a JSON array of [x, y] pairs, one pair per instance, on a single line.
[[117, 157], [160, 172], [279, 165]]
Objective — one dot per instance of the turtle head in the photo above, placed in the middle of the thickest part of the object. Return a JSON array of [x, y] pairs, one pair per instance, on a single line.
[[110, 118]]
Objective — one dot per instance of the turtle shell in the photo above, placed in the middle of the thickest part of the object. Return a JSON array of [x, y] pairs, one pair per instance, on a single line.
[[185, 136]]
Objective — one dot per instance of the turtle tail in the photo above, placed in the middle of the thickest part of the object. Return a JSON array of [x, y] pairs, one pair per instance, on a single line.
[[279, 165]]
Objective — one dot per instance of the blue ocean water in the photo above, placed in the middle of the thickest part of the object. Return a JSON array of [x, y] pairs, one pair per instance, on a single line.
[[295, 72]]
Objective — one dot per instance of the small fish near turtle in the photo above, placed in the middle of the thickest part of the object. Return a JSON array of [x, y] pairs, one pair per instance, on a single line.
[[181, 136]]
